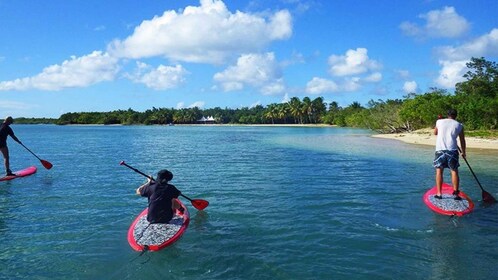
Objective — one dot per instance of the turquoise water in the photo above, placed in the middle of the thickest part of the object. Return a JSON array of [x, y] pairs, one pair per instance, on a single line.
[[285, 203]]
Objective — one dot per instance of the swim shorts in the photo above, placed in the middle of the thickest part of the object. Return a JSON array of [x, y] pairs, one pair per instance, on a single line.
[[446, 159]]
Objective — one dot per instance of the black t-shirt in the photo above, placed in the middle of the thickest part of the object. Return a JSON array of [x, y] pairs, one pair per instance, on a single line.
[[5, 131], [160, 197]]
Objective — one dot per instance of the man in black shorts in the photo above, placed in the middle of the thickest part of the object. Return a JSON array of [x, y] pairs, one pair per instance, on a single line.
[[6, 130]]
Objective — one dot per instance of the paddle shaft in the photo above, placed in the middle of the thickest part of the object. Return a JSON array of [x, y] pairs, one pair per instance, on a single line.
[[472, 171], [148, 176], [29, 150], [45, 163], [486, 197]]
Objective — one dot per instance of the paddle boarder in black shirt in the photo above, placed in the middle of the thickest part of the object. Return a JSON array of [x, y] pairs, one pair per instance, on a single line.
[[162, 197], [6, 130]]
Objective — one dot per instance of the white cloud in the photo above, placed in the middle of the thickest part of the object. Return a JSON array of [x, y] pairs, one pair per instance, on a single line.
[[485, 45], [75, 72], [352, 63], [257, 103], [208, 33], [198, 104], [444, 23], [403, 74], [320, 85], [374, 77], [351, 84], [453, 59], [451, 73], [274, 87], [411, 29], [410, 87], [99, 28], [160, 78], [180, 105], [286, 98], [352, 70], [257, 70]]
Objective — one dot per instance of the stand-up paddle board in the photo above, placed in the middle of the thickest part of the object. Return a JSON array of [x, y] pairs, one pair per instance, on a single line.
[[143, 235], [447, 205], [21, 173]]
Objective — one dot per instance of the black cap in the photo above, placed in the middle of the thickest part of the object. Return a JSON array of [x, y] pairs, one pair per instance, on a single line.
[[164, 176]]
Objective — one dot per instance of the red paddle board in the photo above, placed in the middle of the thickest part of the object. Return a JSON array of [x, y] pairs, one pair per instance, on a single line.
[[154, 237], [21, 173], [447, 205]]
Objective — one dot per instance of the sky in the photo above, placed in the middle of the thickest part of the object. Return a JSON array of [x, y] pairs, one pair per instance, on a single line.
[[62, 56]]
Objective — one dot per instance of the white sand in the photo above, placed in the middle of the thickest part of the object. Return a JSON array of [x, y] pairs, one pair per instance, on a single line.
[[427, 137]]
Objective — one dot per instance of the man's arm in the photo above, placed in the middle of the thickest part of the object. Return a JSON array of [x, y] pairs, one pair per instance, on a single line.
[[463, 143], [139, 189], [14, 136]]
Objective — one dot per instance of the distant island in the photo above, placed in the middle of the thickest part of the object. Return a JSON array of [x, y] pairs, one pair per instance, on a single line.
[[475, 99]]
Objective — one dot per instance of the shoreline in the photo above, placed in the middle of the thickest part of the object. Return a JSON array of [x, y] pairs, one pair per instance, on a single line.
[[426, 137]]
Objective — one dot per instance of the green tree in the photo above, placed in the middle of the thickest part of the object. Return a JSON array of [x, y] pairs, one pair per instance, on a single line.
[[306, 109], [295, 109], [477, 97], [319, 109], [419, 111]]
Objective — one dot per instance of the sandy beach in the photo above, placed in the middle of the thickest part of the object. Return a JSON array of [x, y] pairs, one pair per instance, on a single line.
[[427, 137]]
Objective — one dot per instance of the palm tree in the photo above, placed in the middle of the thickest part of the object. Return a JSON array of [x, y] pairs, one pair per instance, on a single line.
[[355, 105], [306, 108], [271, 112], [319, 109], [282, 110], [295, 109]]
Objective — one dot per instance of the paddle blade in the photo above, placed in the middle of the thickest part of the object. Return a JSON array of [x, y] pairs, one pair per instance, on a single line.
[[200, 204], [46, 164], [488, 198]]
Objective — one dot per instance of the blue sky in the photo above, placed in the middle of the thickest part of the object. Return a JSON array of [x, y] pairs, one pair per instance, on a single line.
[[64, 56]]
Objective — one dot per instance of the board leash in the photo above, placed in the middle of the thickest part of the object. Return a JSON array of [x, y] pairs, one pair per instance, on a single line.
[[146, 247]]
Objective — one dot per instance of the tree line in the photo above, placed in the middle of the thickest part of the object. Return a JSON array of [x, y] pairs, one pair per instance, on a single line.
[[475, 99]]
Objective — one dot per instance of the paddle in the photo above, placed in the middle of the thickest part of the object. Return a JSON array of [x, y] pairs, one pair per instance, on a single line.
[[199, 204], [486, 197], [45, 163]]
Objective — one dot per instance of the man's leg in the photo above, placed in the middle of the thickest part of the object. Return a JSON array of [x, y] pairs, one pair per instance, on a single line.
[[5, 153], [439, 180], [455, 180]]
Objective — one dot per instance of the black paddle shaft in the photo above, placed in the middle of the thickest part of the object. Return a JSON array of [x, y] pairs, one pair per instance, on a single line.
[[148, 176], [473, 174]]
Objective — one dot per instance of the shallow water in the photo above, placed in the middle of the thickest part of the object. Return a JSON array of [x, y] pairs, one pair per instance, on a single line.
[[285, 203]]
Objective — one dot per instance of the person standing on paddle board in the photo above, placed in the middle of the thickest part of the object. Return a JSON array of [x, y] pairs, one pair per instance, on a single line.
[[5, 131], [162, 197], [448, 131]]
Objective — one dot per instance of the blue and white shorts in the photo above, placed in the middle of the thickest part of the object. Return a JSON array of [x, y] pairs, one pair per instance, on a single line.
[[446, 159]]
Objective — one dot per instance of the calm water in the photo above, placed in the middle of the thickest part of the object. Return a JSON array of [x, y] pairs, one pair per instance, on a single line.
[[285, 203]]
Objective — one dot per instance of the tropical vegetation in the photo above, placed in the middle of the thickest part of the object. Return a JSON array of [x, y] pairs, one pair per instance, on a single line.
[[475, 99]]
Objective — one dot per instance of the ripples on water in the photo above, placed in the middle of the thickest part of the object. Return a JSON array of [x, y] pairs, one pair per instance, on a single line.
[[285, 203]]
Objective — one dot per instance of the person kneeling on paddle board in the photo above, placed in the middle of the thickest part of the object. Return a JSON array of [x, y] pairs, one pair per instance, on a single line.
[[447, 131], [6, 130], [162, 197]]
